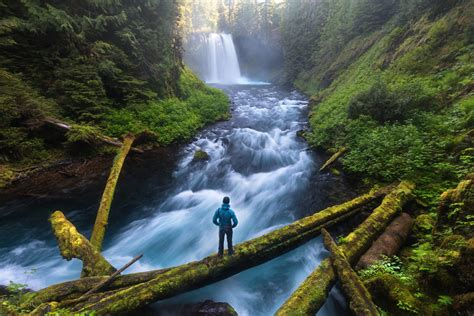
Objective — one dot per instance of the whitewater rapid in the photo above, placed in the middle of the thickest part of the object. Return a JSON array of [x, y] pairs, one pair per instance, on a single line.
[[256, 159]]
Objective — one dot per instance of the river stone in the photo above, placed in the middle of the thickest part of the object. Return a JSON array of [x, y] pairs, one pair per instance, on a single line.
[[209, 308]]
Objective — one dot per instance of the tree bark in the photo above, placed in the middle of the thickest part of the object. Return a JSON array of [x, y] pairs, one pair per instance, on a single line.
[[74, 245], [312, 293], [102, 218], [389, 243], [360, 301], [129, 292]]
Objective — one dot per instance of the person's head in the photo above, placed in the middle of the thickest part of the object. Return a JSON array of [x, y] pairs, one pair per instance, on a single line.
[[226, 200]]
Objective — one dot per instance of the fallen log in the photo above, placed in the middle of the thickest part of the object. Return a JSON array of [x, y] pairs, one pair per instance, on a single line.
[[333, 159], [63, 126], [360, 301], [389, 243], [129, 292], [74, 245], [102, 218], [312, 293]]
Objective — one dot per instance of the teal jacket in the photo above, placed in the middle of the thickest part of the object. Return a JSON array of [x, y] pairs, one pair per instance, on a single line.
[[224, 216]]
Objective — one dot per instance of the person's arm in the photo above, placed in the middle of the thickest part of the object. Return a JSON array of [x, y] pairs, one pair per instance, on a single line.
[[234, 220], [216, 217]]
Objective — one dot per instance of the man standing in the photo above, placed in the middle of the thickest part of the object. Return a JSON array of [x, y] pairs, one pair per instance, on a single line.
[[225, 218]]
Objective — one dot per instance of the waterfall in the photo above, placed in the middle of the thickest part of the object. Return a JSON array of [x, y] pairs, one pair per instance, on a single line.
[[222, 62]]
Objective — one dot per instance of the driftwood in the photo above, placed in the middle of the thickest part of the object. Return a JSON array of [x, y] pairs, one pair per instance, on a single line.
[[129, 292], [102, 138], [312, 293], [74, 245], [333, 159], [360, 301], [102, 218], [389, 243]]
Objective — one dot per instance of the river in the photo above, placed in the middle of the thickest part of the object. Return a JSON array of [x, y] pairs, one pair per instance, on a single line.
[[164, 210]]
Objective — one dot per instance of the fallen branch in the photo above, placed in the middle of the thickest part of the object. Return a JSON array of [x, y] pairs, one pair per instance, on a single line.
[[112, 277], [360, 301], [312, 293], [333, 159], [74, 245]]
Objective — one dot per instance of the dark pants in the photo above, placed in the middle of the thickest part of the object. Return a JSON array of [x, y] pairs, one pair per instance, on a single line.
[[223, 231]]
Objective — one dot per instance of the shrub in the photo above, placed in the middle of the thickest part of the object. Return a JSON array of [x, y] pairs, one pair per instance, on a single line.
[[390, 105]]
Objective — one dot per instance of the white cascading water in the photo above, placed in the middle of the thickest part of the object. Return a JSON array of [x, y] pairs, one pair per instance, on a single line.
[[222, 62]]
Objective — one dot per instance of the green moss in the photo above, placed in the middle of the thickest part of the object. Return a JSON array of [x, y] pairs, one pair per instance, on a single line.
[[200, 155]]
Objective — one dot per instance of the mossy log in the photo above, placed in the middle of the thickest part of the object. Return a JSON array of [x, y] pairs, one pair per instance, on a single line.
[[131, 291], [360, 301], [333, 159], [74, 245], [389, 243], [102, 218], [312, 293]]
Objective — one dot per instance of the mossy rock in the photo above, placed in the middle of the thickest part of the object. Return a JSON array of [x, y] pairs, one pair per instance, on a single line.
[[464, 267], [394, 297], [423, 226], [301, 134], [201, 155]]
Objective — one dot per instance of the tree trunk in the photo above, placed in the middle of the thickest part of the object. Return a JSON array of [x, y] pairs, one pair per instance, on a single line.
[[312, 293], [129, 292], [103, 213], [389, 243], [74, 245], [360, 301]]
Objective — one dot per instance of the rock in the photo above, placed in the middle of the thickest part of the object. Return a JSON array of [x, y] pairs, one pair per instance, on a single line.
[[201, 155], [209, 308]]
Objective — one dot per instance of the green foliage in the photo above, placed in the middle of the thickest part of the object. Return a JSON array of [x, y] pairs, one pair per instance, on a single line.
[[83, 133], [391, 105], [387, 265], [172, 119]]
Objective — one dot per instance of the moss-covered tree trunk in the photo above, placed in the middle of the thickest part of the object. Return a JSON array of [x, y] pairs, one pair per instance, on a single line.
[[102, 218], [312, 293], [129, 292], [74, 245], [360, 301]]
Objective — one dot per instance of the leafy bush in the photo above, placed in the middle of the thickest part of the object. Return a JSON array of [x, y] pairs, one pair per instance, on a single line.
[[390, 105]]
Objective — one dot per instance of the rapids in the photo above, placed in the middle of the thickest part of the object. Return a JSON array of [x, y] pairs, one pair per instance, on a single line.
[[255, 158]]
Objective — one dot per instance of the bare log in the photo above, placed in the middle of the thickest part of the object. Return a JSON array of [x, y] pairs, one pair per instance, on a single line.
[[389, 243], [360, 301], [74, 245], [312, 293], [102, 218], [144, 288], [333, 159]]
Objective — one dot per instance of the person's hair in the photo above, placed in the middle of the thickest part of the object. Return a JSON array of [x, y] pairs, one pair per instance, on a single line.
[[226, 200]]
